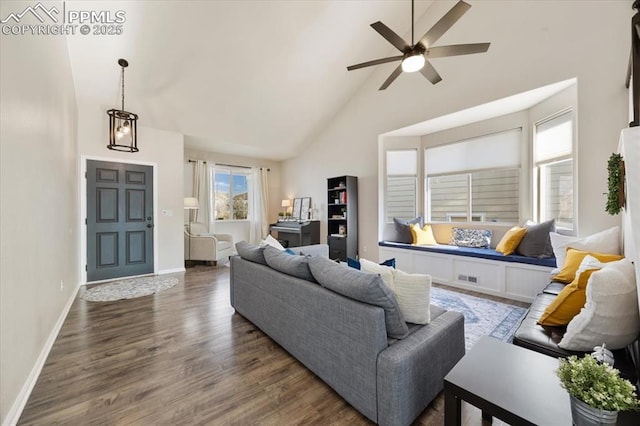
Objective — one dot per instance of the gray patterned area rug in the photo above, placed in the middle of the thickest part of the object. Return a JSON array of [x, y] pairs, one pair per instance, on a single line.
[[482, 317], [127, 289]]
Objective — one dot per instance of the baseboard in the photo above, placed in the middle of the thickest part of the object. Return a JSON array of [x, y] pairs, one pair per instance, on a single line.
[[21, 400], [171, 271]]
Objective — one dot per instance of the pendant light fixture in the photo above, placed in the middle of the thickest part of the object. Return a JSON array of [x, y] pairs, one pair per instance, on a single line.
[[123, 127]]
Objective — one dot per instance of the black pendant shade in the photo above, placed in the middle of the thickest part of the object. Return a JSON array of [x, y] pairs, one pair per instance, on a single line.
[[123, 125]]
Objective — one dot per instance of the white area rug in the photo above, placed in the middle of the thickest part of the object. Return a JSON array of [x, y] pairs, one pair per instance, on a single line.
[[127, 289]]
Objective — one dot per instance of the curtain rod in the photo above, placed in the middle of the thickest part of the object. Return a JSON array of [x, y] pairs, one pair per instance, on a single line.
[[227, 165]]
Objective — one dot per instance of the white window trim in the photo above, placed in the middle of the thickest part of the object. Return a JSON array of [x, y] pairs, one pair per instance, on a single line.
[[536, 169]]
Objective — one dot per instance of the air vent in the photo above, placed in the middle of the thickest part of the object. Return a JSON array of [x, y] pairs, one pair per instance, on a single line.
[[463, 278], [473, 279]]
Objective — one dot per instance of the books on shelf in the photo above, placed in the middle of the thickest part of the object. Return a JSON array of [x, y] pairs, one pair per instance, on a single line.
[[338, 235]]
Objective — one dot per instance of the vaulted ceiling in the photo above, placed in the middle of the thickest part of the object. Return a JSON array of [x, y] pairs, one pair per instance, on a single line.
[[257, 78]]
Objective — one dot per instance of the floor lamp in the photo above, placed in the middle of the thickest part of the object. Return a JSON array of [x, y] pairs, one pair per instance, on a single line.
[[190, 203]]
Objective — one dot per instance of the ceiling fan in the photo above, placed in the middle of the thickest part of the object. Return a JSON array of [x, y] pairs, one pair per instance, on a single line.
[[415, 55]]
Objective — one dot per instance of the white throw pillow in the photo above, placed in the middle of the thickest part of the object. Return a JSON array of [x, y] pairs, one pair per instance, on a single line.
[[413, 293], [386, 272], [607, 241], [610, 314], [270, 241]]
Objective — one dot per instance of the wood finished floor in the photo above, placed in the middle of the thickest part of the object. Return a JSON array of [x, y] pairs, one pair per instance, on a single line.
[[183, 357]]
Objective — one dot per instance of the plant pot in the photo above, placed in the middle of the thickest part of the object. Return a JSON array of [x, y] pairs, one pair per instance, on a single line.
[[585, 415]]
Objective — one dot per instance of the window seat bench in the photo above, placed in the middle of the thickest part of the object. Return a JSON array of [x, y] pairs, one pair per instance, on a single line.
[[483, 270]]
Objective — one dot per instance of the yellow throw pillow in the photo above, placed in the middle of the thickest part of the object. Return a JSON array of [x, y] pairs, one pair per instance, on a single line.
[[573, 260], [422, 236], [569, 302], [511, 239]]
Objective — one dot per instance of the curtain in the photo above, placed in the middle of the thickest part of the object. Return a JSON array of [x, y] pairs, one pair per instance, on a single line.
[[202, 191], [259, 205]]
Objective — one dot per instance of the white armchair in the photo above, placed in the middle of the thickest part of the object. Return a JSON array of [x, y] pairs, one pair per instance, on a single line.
[[200, 245]]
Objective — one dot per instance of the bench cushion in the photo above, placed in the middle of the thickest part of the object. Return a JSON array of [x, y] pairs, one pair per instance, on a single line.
[[482, 253]]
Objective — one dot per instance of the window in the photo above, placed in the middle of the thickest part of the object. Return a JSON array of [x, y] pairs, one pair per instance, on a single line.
[[402, 167], [231, 191], [553, 156], [483, 196], [468, 182]]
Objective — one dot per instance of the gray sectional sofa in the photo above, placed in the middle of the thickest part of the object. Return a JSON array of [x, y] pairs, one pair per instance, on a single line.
[[344, 341]]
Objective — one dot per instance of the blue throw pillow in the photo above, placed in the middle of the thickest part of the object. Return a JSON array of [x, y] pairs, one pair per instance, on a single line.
[[355, 263]]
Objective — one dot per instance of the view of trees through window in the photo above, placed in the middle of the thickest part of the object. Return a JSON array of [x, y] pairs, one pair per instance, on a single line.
[[231, 194]]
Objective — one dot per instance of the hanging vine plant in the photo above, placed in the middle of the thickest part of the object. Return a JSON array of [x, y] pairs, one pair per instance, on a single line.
[[616, 197]]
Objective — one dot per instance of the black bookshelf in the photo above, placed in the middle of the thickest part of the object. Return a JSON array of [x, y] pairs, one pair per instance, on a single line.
[[342, 217]]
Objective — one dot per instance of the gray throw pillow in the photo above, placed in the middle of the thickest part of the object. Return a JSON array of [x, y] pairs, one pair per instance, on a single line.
[[251, 252], [536, 242], [403, 229], [294, 265], [361, 286]]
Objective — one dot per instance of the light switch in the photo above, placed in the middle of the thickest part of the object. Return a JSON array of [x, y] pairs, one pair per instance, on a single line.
[[167, 212]]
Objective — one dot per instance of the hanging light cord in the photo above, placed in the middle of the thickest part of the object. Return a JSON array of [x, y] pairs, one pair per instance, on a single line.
[[412, 23], [122, 79]]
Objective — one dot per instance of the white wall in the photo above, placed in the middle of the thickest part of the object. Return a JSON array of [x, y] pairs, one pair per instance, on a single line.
[[158, 147], [39, 209], [533, 44]]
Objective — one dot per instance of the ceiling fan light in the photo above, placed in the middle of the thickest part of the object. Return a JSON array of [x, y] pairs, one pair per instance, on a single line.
[[413, 63]]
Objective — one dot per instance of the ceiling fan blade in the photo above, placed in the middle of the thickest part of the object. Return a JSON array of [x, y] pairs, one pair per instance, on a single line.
[[375, 62], [446, 22], [430, 73], [391, 36], [392, 77], [457, 49]]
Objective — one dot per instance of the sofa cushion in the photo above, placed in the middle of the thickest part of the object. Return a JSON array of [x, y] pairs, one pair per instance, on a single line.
[[355, 263], [403, 229], [467, 237], [569, 302], [413, 293], [554, 288], [361, 286], [422, 236], [386, 272], [251, 252], [574, 260], [511, 240], [533, 336], [294, 265], [610, 314], [607, 241], [536, 242], [270, 241]]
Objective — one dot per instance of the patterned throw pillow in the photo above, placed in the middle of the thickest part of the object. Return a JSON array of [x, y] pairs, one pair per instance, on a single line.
[[464, 237]]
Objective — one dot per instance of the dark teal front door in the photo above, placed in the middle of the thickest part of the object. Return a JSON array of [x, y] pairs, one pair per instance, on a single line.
[[119, 220]]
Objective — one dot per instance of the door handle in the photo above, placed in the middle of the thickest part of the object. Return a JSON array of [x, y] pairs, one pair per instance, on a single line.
[[149, 225]]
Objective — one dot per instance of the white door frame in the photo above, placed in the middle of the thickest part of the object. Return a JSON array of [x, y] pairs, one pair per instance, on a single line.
[[83, 210]]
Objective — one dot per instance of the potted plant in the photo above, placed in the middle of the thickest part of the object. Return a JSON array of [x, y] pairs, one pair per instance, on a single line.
[[596, 390]]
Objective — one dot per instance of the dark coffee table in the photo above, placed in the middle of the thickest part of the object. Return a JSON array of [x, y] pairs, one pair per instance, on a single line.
[[516, 385]]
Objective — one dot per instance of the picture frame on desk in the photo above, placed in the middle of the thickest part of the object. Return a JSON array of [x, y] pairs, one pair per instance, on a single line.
[[306, 208], [297, 208]]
